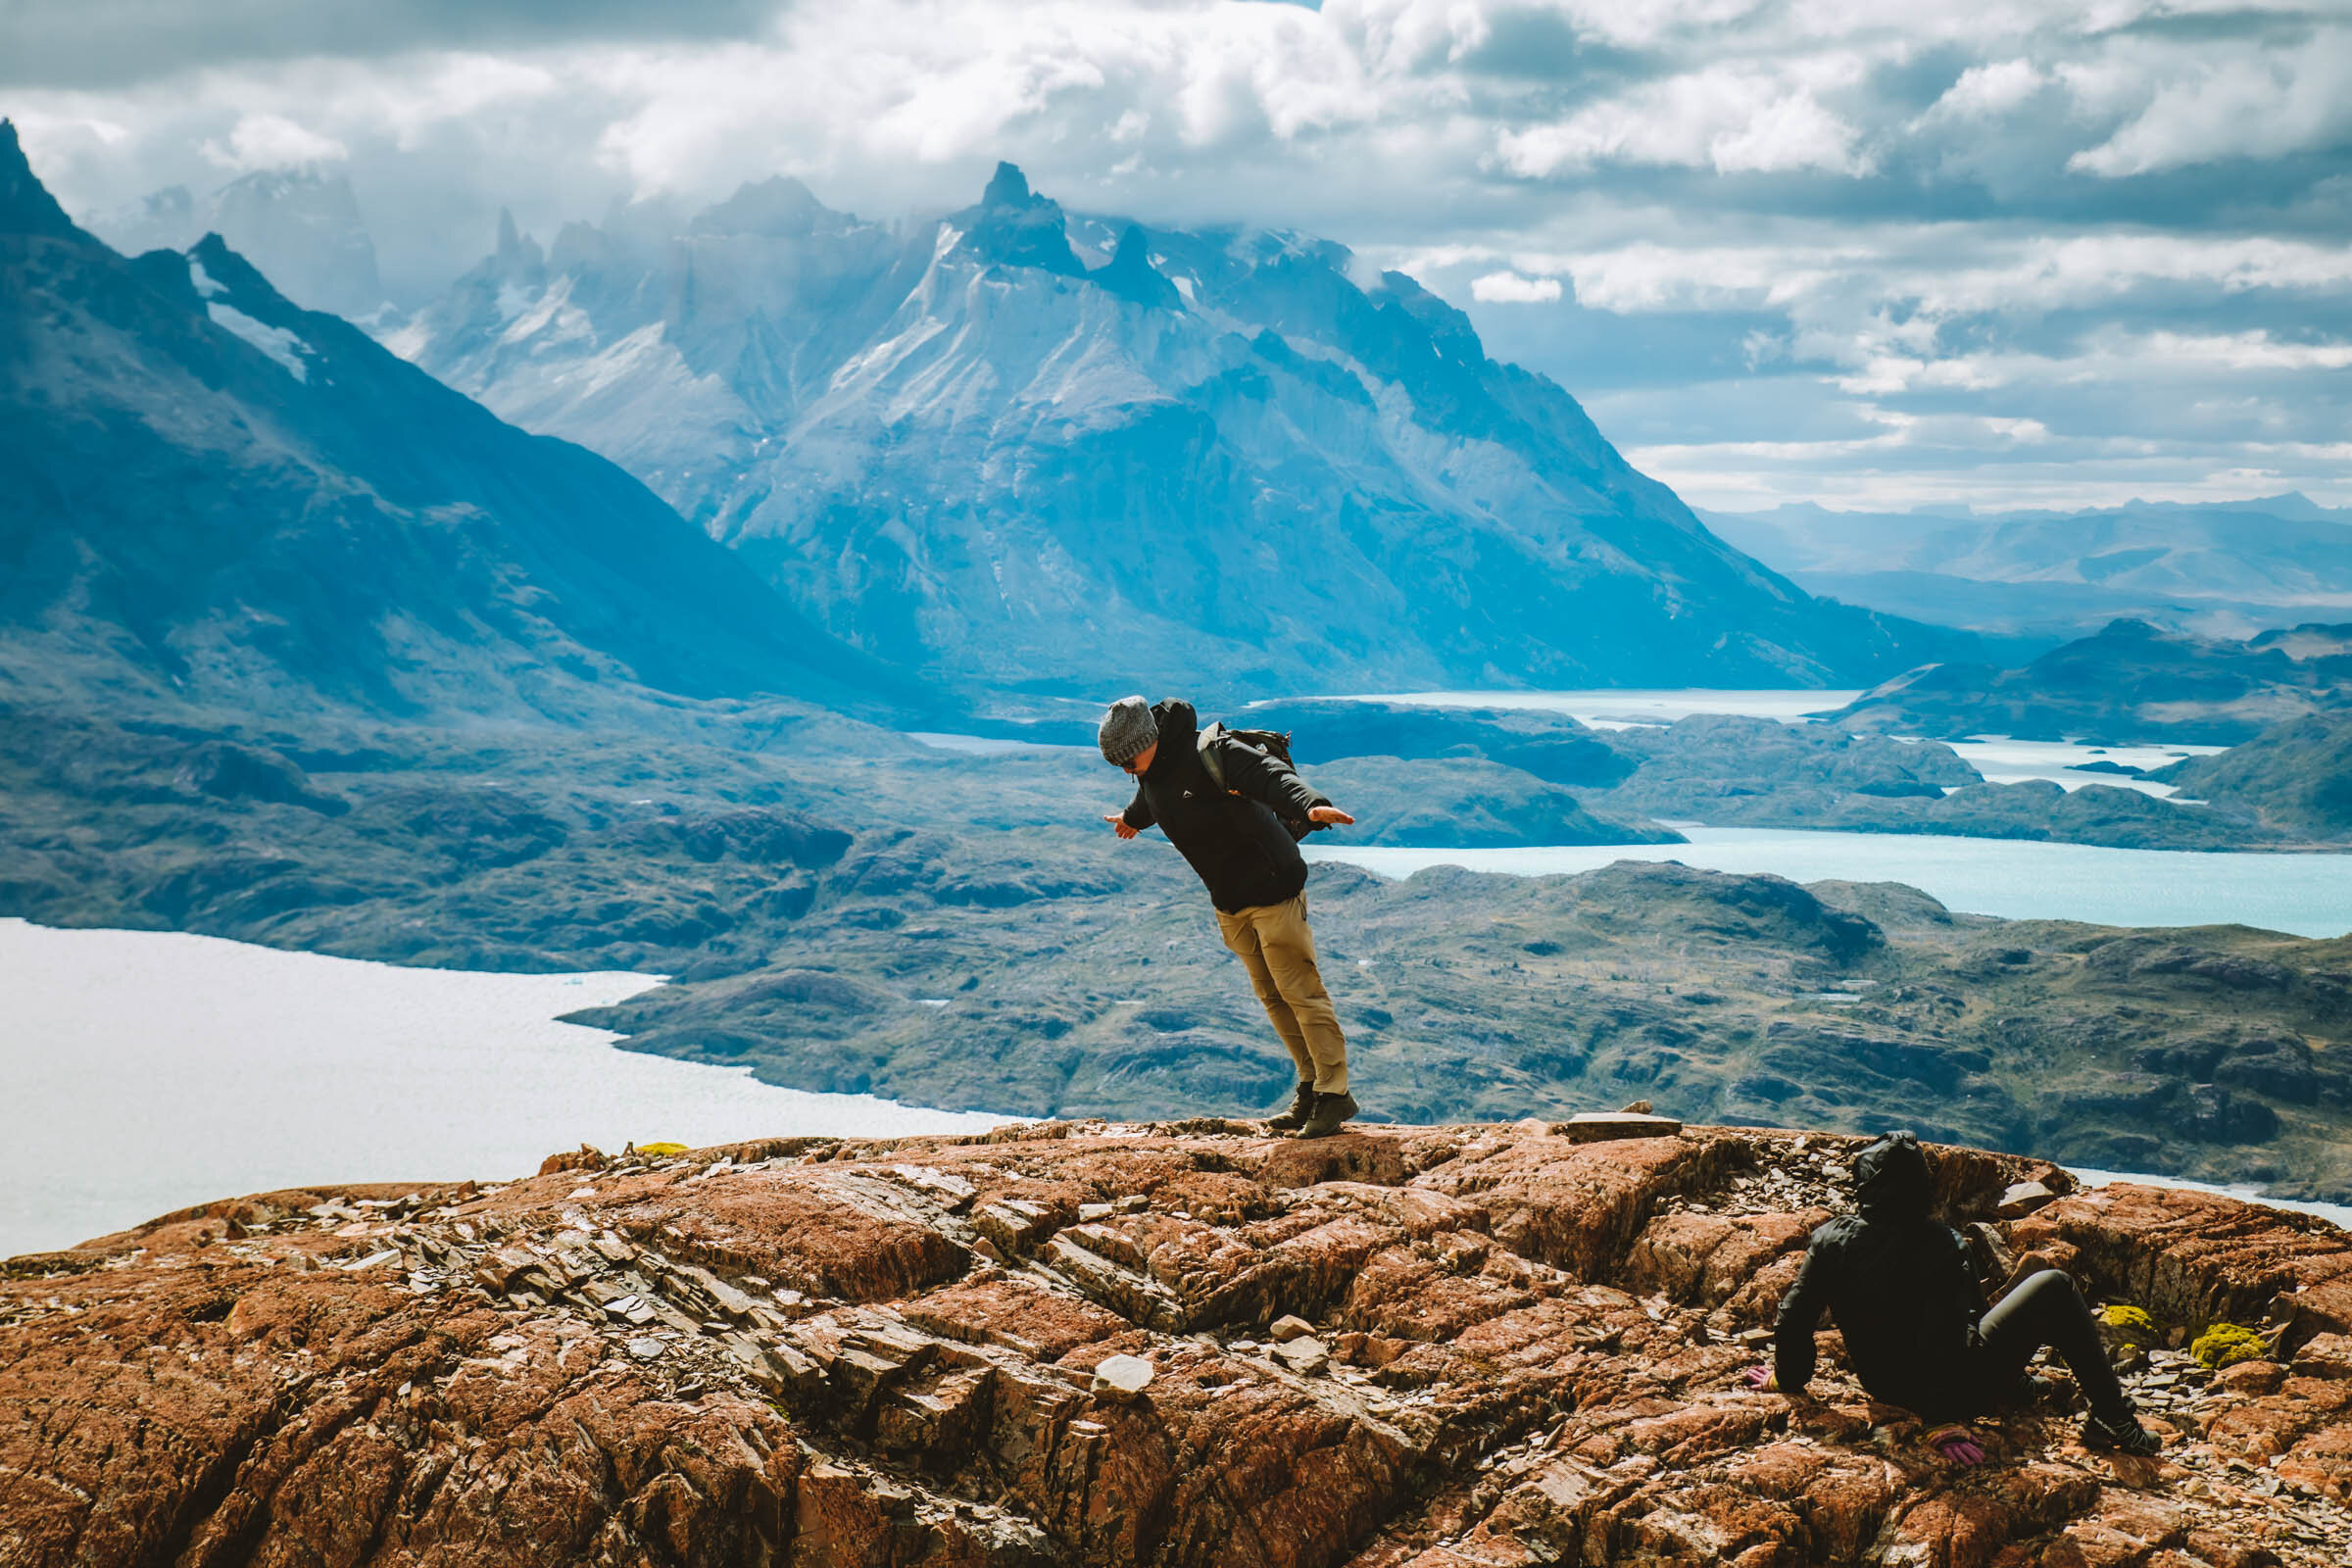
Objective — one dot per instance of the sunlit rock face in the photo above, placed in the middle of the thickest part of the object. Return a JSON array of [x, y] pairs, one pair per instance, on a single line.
[[1027, 444], [1182, 1345]]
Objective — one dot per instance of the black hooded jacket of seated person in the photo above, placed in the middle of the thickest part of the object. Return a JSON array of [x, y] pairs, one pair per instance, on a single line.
[[1900, 1288], [1238, 846]]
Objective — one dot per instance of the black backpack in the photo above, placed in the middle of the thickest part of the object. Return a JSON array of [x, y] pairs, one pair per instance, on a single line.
[[1275, 744]]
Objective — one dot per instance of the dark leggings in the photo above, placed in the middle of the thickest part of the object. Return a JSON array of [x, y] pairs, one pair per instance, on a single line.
[[2046, 1308]]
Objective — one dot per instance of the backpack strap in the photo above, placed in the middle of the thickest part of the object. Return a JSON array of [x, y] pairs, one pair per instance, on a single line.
[[1209, 755]]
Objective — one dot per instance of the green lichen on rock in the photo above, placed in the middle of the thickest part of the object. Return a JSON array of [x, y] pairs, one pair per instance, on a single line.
[[2131, 1325], [2227, 1344]]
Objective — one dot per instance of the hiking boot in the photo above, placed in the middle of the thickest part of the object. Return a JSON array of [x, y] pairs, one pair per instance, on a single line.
[[1330, 1111], [1303, 1106], [2123, 1434]]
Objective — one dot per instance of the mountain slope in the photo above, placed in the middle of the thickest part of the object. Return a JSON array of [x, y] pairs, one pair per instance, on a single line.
[[302, 227], [2131, 682], [215, 494], [2210, 566], [1045, 448], [2297, 774]]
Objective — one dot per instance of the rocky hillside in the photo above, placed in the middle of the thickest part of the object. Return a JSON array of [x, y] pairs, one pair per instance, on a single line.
[[2131, 682], [1497, 766], [1022, 440], [215, 496], [1187, 1345], [2296, 775]]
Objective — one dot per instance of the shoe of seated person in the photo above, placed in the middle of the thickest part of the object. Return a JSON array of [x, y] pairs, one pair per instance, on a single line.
[[1330, 1111], [1303, 1106], [2121, 1434]]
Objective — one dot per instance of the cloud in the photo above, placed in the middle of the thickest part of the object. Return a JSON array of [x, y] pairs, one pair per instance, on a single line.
[[1510, 288], [1988, 92], [2244, 104], [273, 141], [2098, 220], [1730, 119], [117, 43]]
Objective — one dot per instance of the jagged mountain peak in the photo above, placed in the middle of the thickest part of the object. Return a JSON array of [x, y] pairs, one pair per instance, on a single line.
[[1010, 187], [1014, 226], [1130, 275], [1282, 468], [25, 205], [235, 280]]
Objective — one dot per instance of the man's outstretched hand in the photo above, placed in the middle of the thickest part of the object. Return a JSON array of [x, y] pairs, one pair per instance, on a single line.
[[1118, 824], [1329, 813], [1756, 1377]]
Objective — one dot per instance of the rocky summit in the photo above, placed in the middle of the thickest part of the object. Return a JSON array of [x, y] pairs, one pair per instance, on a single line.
[[1177, 1343]]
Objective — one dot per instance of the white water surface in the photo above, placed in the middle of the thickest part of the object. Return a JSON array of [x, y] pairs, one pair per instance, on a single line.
[[148, 1071], [2003, 761], [2307, 894], [1608, 708]]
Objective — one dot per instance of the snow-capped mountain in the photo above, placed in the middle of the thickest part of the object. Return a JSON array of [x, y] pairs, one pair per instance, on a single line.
[[301, 227], [1031, 447], [213, 494]]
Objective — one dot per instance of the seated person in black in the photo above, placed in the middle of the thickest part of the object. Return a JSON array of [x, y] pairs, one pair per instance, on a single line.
[[1902, 1291]]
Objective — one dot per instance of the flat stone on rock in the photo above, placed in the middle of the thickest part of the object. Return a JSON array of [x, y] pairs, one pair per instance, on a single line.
[[647, 1349], [1287, 1328], [1121, 1377], [2020, 1199], [1303, 1354], [1600, 1126]]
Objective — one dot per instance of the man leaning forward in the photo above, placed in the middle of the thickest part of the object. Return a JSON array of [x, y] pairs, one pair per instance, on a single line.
[[1234, 838]]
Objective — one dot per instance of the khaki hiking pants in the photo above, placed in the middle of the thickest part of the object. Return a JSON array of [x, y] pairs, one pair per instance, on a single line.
[[1279, 951]]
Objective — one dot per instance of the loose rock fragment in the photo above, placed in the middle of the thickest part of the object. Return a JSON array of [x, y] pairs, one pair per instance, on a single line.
[[1600, 1126], [1303, 1354], [2023, 1199], [1120, 1378]]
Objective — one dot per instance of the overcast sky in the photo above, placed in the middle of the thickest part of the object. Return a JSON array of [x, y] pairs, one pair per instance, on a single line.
[[1864, 252]]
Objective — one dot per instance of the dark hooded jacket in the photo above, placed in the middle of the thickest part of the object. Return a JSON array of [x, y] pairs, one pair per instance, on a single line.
[[1235, 842], [1899, 1287]]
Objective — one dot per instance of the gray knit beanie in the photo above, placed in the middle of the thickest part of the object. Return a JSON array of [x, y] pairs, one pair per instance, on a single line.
[[1127, 732]]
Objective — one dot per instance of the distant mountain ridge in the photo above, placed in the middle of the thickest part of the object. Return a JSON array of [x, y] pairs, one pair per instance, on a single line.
[[300, 227], [214, 495], [1070, 451], [2221, 568]]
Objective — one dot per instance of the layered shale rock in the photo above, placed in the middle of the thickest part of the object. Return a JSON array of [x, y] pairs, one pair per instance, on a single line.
[[1501, 1347]]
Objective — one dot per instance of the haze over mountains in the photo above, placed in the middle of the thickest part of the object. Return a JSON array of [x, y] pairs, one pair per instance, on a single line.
[[217, 496], [2227, 567], [1029, 447], [300, 227]]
